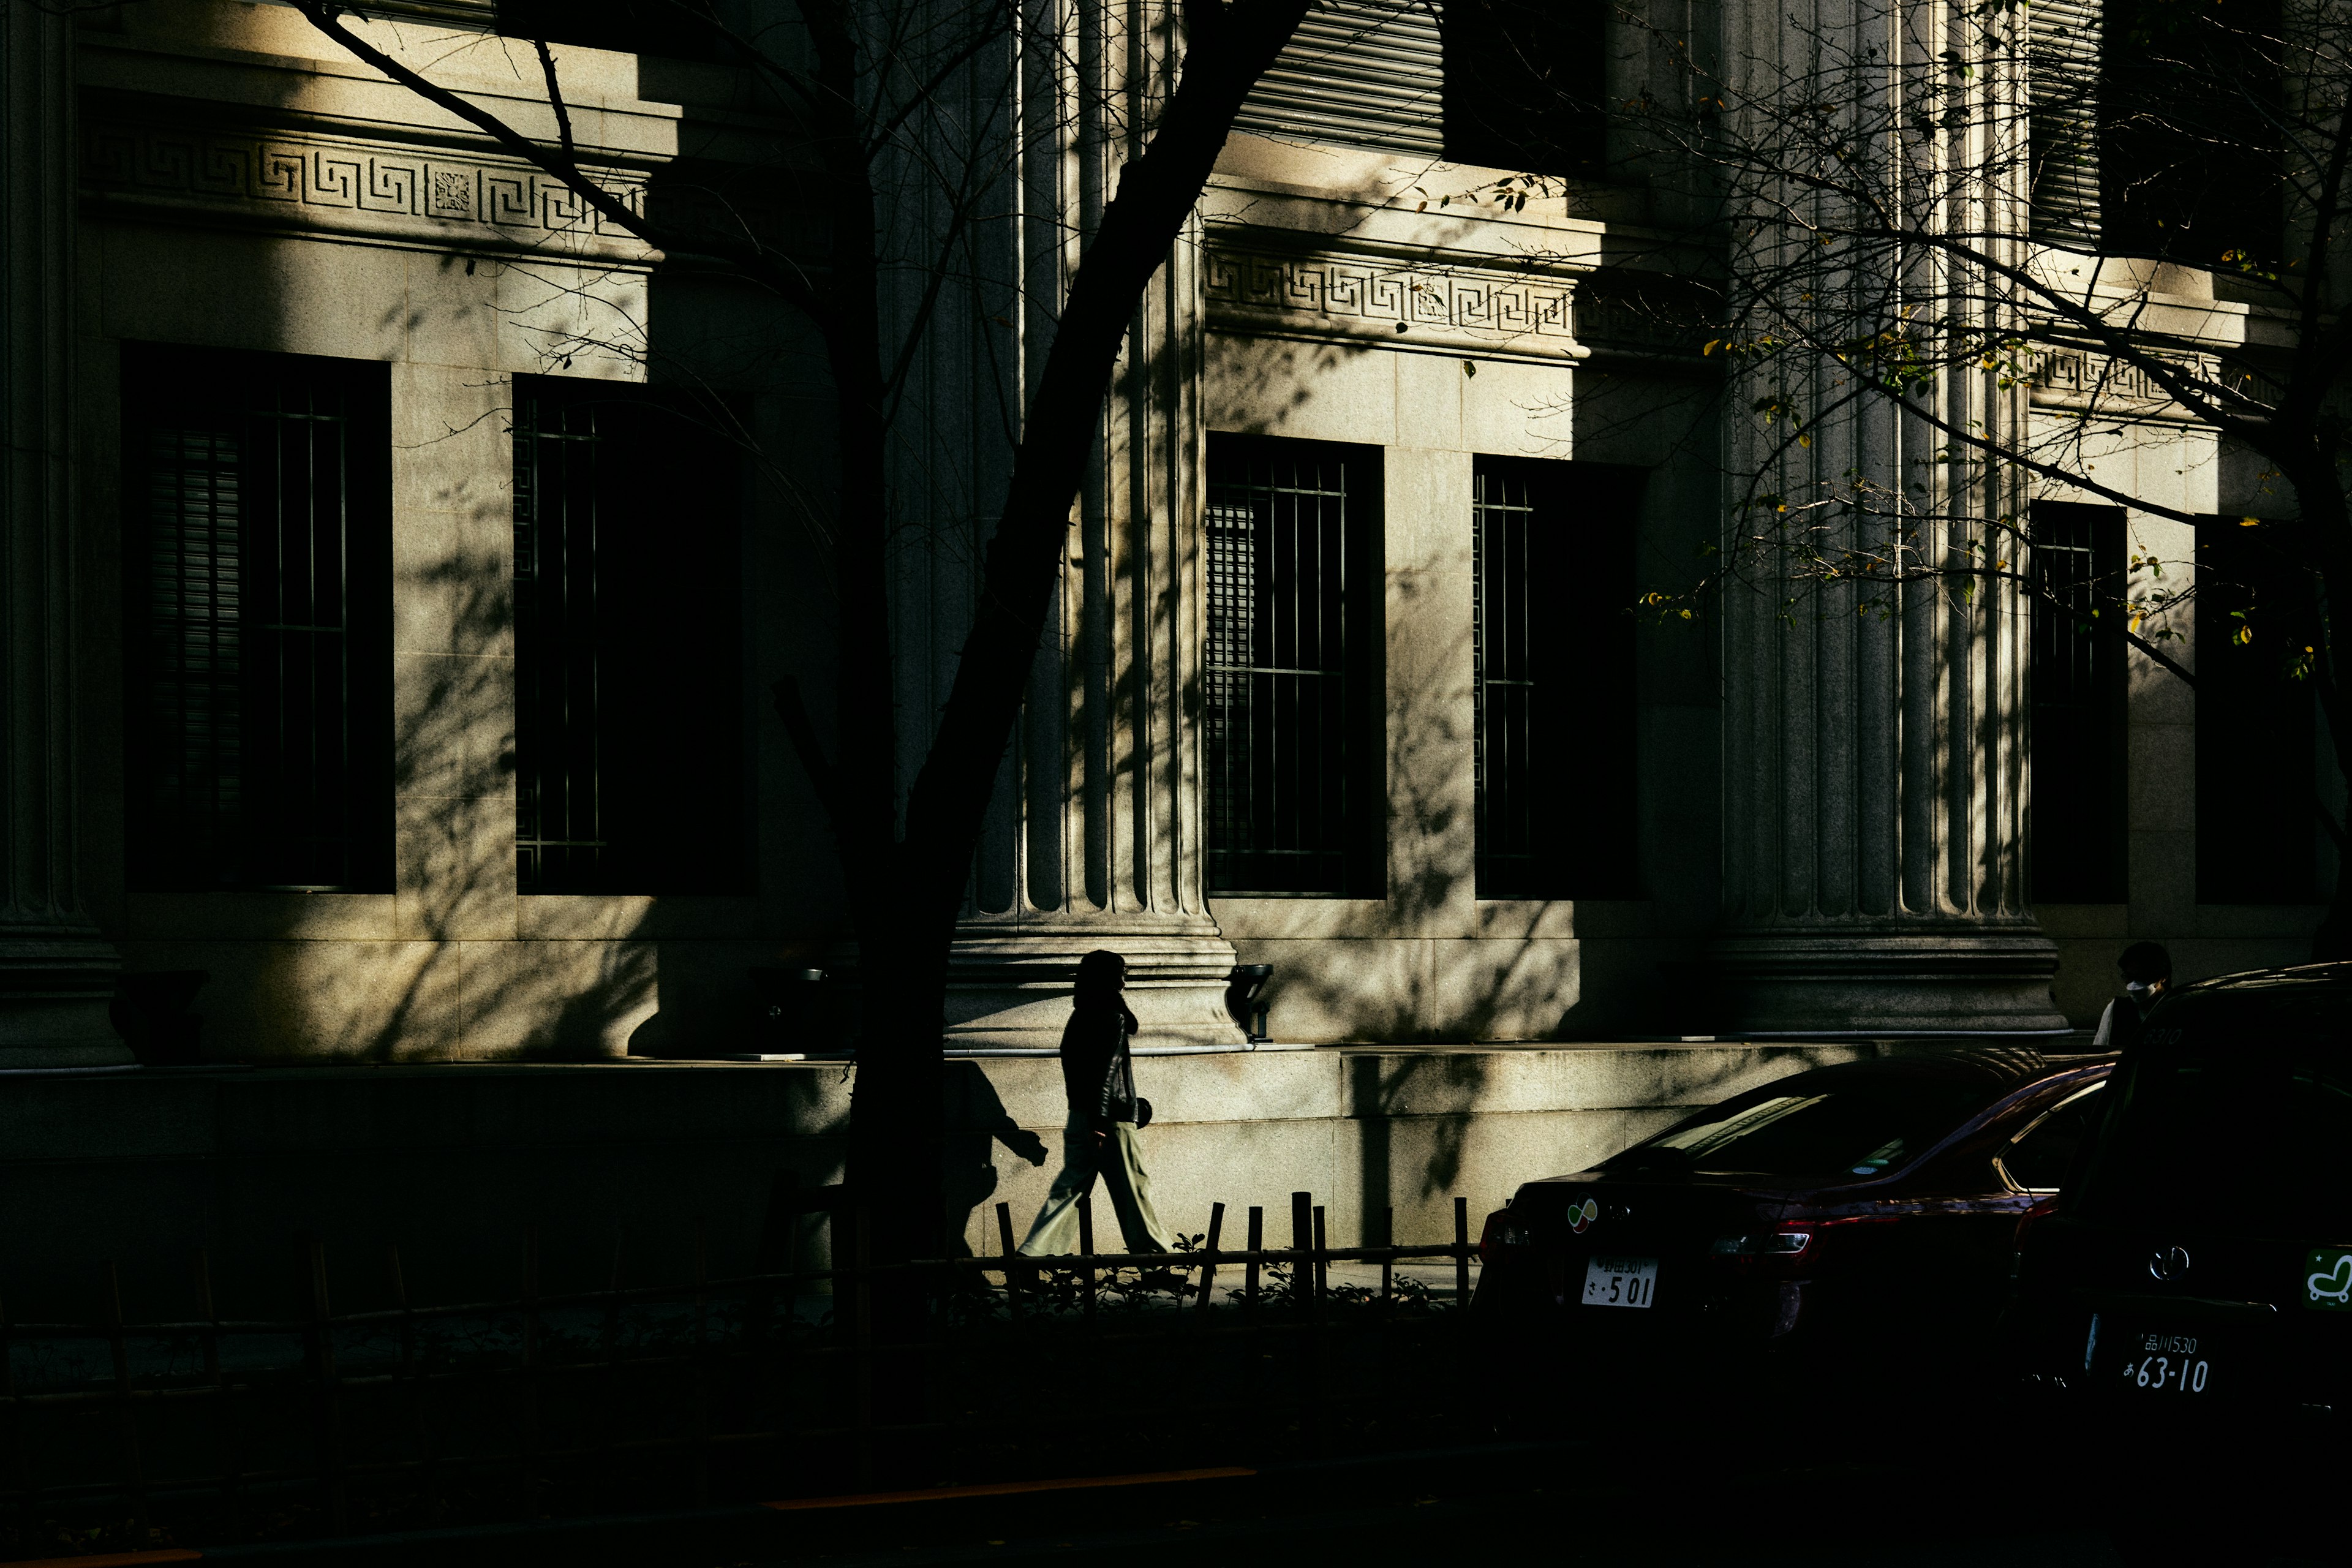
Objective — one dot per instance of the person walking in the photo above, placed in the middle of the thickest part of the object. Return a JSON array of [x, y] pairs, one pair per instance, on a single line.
[[1098, 1076], [2147, 969]]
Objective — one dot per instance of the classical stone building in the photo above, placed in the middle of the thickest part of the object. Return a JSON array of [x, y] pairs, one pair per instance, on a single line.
[[399, 555]]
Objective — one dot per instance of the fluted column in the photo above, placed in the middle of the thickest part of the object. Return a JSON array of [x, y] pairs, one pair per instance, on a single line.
[[56, 972], [1094, 835], [1875, 771]]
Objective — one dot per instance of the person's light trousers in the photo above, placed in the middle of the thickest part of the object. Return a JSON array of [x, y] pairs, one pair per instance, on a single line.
[[1118, 1160]]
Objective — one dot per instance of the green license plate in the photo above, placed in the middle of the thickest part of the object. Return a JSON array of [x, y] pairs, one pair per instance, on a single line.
[[2327, 1279]]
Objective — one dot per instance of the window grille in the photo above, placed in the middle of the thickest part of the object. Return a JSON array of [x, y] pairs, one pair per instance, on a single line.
[[2076, 679], [2258, 832], [2062, 70], [1292, 723], [1364, 73], [630, 768], [259, 731], [1553, 677]]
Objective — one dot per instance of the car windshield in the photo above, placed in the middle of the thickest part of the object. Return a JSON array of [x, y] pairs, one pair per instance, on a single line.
[[2236, 1112], [1814, 1124]]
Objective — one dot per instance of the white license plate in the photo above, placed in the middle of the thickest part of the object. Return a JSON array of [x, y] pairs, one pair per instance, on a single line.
[[2152, 1362], [1620, 1282]]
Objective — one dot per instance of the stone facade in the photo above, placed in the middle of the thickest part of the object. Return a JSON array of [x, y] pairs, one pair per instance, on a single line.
[[1828, 830]]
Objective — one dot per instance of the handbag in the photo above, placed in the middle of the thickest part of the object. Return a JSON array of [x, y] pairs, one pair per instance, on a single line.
[[1142, 1114]]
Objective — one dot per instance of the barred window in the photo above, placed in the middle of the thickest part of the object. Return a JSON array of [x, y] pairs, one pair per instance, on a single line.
[[2077, 679], [2258, 832], [1526, 84], [630, 771], [258, 543], [1292, 725], [1553, 677]]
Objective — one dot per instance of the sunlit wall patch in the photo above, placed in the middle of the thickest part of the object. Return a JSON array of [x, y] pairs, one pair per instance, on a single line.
[[2327, 1279]]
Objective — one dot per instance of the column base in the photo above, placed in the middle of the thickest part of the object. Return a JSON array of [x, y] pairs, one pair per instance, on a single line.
[[54, 994], [1013, 992], [1967, 980]]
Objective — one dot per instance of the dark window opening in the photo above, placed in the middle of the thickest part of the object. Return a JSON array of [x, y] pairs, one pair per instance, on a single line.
[[631, 774], [2077, 682], [1293, 721], [1524, 81], [2257, 813], [258, 542], [2189, 134], [1552, 638]]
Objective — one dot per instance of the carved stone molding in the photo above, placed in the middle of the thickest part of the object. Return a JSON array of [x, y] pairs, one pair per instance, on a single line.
[[2088, 382], [339, 184], [1408, 304]]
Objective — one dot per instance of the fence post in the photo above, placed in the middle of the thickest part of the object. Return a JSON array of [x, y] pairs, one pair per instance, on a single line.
[[1087, 1253], [1302, 1266], [530, 1370], [1388, 1264], [1011, 1268], [1310, 1426], [17, 1465], [126, 1416], [701, 1363], [606, 1427], [201, 1268], [1209, 1263], [778, 1242], [863, 1365], [412, 1395], [1461, 1252], [1249, 1270], [328, 1418]]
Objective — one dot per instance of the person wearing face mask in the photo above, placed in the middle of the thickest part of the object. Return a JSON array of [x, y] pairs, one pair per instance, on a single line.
[[1098, 1078], [2147, 969]]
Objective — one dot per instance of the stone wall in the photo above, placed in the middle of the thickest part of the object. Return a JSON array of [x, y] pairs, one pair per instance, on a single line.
[[451, 1162]]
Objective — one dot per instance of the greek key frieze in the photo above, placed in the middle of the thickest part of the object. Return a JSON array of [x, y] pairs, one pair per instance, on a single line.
[[1399, 301], [340, 181]]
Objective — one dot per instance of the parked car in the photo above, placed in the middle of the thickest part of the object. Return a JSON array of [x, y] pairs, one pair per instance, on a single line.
[[2189, 1294], [1845, 1211]]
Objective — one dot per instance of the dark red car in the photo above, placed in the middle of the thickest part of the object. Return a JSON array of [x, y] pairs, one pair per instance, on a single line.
[[1870, 1208]]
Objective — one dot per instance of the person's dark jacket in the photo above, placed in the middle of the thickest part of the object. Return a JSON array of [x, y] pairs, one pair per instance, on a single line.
[[1098, 1073]]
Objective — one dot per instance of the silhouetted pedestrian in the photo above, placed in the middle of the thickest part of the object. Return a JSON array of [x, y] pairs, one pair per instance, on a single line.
[[2146, 971], [1098, 1075]]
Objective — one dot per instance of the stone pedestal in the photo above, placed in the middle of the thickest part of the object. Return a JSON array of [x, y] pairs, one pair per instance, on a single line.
[[56, 972]]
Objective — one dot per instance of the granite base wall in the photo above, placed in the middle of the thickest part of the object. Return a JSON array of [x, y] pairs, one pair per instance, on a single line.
[[450, 1163]]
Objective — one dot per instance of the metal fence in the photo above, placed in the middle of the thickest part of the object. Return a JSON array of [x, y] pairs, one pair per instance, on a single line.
[[787, 1382]]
